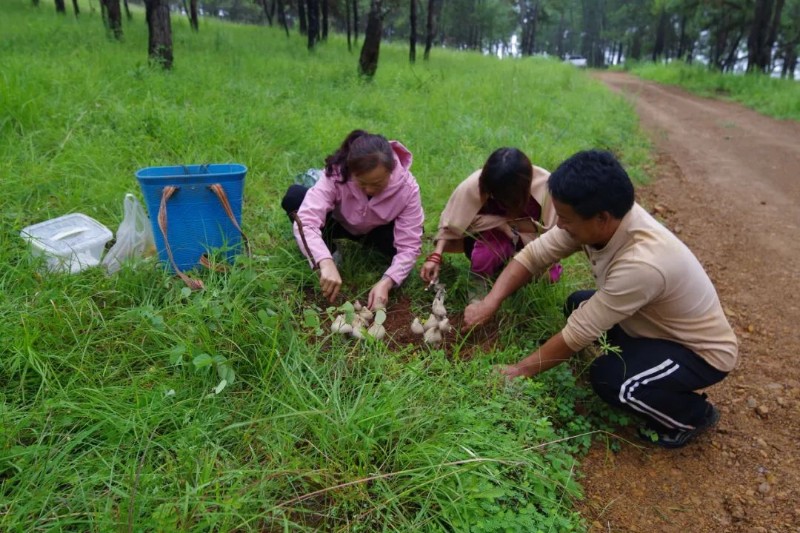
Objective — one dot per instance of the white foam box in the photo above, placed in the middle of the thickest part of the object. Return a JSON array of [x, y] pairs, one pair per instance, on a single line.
[[70, 243]]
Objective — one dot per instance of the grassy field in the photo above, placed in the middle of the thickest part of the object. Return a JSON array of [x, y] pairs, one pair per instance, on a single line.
[[109, 414], [771, 96]]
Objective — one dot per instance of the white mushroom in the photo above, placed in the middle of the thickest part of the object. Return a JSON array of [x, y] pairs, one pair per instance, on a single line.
[[438, 308], [359, 328], [336, 325], [431, 323], [377, 331], [433, 336], [346, 328], [366, 314], [416, 327], [357, 306], [444, 325]]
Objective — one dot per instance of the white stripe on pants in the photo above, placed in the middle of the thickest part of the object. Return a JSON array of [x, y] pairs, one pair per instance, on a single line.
[[643, 378]]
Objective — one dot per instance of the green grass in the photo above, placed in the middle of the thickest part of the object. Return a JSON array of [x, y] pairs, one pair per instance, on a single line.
[[107, 405], [779, 98]]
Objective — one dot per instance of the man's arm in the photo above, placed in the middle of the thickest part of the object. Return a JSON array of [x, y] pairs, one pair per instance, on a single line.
[[549, 354], [513, 277]]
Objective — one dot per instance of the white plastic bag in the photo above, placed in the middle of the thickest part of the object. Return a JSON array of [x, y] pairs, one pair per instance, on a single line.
[[134, 236]]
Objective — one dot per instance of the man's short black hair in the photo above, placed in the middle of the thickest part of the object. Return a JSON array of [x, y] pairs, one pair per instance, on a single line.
[[591, 182]]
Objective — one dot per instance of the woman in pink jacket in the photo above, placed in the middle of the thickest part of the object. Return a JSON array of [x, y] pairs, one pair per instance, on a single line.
[[366, 194]]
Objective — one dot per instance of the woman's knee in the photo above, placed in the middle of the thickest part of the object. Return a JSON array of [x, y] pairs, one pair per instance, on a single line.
[[575, 299], [293, 199]]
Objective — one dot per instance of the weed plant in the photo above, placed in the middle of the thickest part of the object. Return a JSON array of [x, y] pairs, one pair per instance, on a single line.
[[779, 98], [131, 403]]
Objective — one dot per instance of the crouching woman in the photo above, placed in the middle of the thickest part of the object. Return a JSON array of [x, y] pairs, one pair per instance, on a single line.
[[493, 214], [365, 194]]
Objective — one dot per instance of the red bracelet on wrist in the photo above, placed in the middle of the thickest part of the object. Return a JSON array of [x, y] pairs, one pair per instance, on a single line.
[[434, 258]]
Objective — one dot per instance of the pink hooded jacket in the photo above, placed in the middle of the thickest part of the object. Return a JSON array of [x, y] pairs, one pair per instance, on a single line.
[[399, 202]]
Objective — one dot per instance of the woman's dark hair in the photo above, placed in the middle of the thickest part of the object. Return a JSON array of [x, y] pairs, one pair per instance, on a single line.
[[360, 153], [506, 176], [591, 182]]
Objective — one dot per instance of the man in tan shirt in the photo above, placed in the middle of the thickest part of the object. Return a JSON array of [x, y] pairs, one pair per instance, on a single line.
[[653, 300]]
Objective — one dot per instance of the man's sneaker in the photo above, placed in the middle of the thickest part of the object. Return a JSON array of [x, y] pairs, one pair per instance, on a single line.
[[678, 438]]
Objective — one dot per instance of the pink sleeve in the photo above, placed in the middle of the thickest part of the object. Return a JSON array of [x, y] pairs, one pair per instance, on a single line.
[[319, 201], [407, 237]]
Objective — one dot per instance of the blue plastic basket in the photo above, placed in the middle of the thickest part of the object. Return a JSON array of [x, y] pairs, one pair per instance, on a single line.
[[197, 221]]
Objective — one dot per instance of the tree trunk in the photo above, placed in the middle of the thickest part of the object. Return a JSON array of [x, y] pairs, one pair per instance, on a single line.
[[35, 3], [530, 19], [412, 32], [267, 14], [301, 15], [128, 10], [730, 61], [429, 30], [347, 24], [682, 37], [789, 63], [661, 32], [635, 48], [559, 37], [193, 20], [324, 20], [592, 30], [114, 18], [368, 62], [312, 11], [355, 21], [60, 7], [282, 15], [75, 8], [159, 45], [758, 35]]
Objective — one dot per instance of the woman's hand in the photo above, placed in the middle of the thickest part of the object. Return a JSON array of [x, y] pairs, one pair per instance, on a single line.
[[329, 279], [379, 295], [429, 271]]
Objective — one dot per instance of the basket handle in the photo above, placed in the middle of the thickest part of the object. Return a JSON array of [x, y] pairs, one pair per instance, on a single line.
[[217, 189], [166, 194], [293, 215], [219, 192]]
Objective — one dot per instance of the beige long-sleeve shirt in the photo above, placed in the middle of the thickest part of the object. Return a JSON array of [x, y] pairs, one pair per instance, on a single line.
[[461, 214], [649, 283]]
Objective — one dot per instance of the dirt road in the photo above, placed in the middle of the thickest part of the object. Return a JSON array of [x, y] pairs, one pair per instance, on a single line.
[[727, 181]]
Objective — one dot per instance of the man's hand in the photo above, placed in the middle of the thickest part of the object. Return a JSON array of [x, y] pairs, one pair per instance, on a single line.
[[379, 295], [510, 372], [478, 313], [329, 279]]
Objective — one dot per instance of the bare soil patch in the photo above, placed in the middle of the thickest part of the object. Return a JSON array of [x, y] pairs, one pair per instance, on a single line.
[[728, 184], [399, 316]]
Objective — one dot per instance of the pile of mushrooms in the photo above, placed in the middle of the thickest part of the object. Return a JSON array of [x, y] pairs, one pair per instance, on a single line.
[[355, 319], [437, 322]]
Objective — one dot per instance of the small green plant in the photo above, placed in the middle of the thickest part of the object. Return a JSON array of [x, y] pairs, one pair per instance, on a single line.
[[224, 370]]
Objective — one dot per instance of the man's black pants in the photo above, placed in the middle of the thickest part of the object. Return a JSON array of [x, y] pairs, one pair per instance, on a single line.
[[652, 378]]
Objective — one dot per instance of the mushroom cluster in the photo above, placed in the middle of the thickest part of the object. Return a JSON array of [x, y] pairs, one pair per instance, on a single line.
[[355, 319], [437, 322]]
